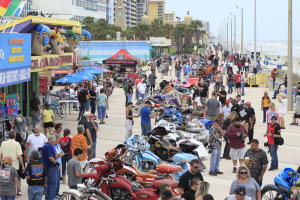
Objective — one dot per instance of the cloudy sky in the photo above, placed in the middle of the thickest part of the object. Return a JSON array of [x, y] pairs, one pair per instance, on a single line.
[[271, 15]]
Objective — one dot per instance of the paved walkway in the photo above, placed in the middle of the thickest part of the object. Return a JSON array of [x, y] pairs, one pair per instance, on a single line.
[[113, 133]]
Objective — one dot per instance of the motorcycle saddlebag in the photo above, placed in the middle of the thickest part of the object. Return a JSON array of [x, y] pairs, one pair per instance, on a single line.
[[158, 183], [146, 193], [168, 169]]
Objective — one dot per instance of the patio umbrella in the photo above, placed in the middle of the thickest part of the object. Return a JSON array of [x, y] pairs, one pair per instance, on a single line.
[[68, 79], [103, 69], [84, 76], [93, 70]]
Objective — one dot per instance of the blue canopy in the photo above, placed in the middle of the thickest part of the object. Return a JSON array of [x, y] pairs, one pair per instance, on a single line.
[[84, 76], [68, 79], [92, 70], [103, 69]]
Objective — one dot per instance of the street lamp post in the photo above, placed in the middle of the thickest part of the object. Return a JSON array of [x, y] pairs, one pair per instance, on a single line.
[[234, 34], [227, 35], [242, 31], [231, 34], [290, 56]]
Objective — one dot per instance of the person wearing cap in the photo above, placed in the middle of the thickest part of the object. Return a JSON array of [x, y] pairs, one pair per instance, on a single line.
[[65, 143], [243, 179], [239, 194], [9, 181], [272, 134], [146, 116], [236, 134], [226, 110], [215, 143], [35, 174]]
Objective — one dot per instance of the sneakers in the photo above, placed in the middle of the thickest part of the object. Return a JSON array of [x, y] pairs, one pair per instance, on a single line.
[[212, 173], [273, 169], [234, 170]]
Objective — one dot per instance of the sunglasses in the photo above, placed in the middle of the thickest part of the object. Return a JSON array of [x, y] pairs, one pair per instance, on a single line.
[[243, 172], [196, 167]]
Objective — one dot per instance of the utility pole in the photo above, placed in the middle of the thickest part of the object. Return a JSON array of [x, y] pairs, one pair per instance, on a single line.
[[255, 33], [227, 35], [234, 34], [290, 56], [231, 47]]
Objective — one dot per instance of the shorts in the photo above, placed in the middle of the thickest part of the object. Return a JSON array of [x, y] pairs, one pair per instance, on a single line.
[[237, 85], [297, 115], [48, 125], [237, 154]]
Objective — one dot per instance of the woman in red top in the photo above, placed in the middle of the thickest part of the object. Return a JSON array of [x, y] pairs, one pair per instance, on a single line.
[[237, 80], [65, 143], [273, 132]]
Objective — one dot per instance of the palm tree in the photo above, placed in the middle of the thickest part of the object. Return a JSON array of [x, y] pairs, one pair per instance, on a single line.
[[157, 28], [196, 26], [179, 34], [168, 30]]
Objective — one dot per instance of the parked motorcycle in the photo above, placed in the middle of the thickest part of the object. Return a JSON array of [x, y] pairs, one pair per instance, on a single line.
[[83, 193], [282, 190]]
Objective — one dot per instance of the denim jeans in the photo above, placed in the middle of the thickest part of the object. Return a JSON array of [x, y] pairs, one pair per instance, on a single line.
[[146, 127], [35, 192], [53, 183], [64, 159], [141, 97], [273, 151], [230, 87], [82, 109], [243, 88], [101, 112], [265, 109], [87, 105], [94, 148], [8, 197], [215, 160], [129, 98], [178, 74], [93, 106]]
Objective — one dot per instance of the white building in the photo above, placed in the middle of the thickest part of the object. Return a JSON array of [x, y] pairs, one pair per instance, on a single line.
[[71, 9], [110, 11]]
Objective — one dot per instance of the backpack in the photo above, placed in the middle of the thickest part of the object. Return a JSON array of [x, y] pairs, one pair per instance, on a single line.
[[66, 148]]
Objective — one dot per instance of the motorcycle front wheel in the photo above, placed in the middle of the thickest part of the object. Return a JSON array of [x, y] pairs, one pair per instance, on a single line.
[[271, 193]]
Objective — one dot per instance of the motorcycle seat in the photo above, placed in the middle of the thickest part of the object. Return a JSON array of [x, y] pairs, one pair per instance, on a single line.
[[174, 151], [188, 146]]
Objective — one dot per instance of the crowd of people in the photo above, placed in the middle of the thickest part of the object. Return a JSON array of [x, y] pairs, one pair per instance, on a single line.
[[45, 159]]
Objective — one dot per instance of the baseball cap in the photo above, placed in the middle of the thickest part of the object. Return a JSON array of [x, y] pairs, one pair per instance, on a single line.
[[241, 190], [228, 101]]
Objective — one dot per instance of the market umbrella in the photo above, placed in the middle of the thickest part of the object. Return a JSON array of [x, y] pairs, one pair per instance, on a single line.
[[93, 70], [103, 69], [68, 79], [84, 76]]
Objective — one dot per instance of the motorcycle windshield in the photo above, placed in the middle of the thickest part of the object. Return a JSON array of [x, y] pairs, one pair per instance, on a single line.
[[149, 156]]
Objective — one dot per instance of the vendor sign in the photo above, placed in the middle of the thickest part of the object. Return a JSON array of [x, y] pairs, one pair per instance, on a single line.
[[15, 58], [40, 63]]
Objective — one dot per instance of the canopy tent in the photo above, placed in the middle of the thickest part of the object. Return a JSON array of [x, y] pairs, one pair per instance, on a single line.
[[93, 70], [68, 79], [76, 78], [122, 57]]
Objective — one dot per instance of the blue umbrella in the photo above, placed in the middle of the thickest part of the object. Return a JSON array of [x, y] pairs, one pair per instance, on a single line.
[[103, 69], [68, 79], [92, 70], [83, 76]]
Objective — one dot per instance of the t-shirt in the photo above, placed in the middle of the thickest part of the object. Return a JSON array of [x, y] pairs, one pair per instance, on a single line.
[[256, 161], [213, 107], [48, 151], [244, 114], [266, 102], [188, 195], [73, 166], [101, 100], [58, 150], [251, 187], [145, 112], [13, 149], [274, 129], [204, 92], [232, 197], [234, 140], [141, 87], [152, 78], [36, 142], [230, 77], [226, 111], [222, 99], [237, 78], [93, 95], [185, 181], [82, 96], [80, 141], [7, 181], [36, 172], [65, 143], [47, 116]]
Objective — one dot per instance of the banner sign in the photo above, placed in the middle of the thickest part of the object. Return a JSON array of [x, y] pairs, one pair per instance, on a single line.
[[160, 42], [40, 63], [15, 58]]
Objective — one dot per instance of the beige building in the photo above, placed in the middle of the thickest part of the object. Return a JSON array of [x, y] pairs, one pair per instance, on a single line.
[[169, 18], [125, 13], [156, 9]]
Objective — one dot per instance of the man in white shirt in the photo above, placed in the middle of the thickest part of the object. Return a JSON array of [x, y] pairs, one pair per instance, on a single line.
[[226, 110], [141, 87], [36, 140], [13, 149]]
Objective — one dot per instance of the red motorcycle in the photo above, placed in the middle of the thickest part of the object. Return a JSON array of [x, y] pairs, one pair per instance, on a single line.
[[118, 187]]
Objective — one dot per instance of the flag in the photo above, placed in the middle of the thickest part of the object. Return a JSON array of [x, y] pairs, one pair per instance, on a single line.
[[20, 8], [14, 5], [3, 6]]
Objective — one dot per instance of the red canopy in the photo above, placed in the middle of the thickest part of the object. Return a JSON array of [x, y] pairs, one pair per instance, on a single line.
[[122, 57]]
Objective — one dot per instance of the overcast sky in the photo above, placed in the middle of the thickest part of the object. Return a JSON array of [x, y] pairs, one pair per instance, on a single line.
[[271, 15]]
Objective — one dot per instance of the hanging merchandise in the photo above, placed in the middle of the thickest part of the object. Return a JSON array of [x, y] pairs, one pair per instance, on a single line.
[[2, 105], [12, 104]]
